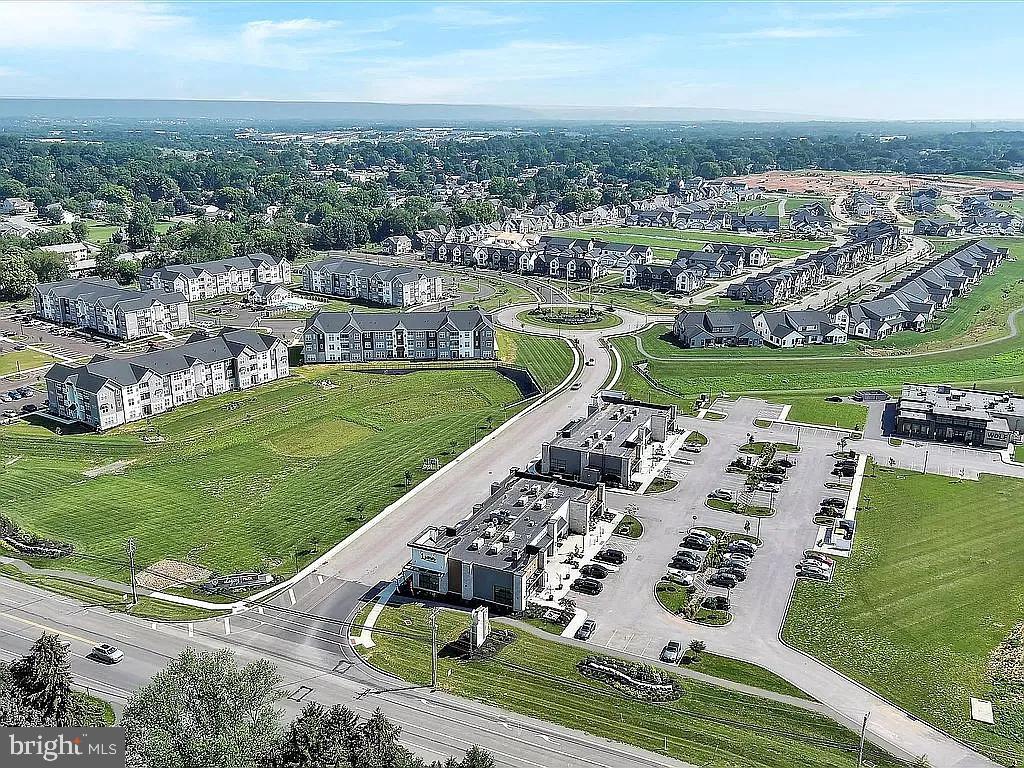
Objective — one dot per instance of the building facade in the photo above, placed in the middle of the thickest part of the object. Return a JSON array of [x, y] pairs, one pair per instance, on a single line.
[[218, 278], [108, 309], [968, 416], [107, 392], [373, 283], [356, 337]]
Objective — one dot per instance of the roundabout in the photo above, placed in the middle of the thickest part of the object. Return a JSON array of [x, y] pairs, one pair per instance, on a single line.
[[579, 318]]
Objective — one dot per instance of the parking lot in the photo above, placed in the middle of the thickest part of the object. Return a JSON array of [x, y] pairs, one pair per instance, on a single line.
[[628, 615]]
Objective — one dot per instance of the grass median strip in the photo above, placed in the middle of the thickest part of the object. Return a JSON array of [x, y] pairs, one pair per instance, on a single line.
[[708, 725]]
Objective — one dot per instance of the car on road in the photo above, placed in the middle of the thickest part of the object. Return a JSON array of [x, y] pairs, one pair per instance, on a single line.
[[107, 653], [576, 385], [721, 493], [586, 629], [590, 361], [594, 571], [29, 408], [833, 399], [834, 501], [672, 652], [20, 347], [613, 556], [692, 448], [587, 586], [725, 580]]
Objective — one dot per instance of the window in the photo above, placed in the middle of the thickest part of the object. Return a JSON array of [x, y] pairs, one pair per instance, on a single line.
[[502, 595], [430, 582]]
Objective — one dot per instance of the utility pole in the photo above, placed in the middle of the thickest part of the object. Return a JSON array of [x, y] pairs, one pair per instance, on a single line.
[[130, 548], [433, 649], [860, 752]]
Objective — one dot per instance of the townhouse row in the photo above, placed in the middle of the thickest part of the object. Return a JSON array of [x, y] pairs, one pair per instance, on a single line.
[[107, 392], [104, 307], [743, 328], [690, 270], [373, 283], [503, 552]]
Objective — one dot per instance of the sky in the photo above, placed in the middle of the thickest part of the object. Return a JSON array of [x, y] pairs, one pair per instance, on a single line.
[[892, 60]]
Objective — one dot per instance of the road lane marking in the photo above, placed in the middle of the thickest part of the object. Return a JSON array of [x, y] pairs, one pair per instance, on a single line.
[[47, 628]]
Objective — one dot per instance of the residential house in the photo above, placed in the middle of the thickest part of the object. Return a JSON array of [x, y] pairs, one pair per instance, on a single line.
[[717, 328], [16, 206], [268, 295], [397, 245], [669, 278], [797, 328]]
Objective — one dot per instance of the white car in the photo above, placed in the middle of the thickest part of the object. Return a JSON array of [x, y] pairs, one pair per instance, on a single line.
[[721, 493], [108, 653]]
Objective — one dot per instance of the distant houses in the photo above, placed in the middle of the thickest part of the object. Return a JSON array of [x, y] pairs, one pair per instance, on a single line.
[[691, 269], [863, 204], [106, 308], [743, 328], [811, 220], [16, 206], [357, 337], [393, 286], [108, 392], [717, 328], [218, 278]]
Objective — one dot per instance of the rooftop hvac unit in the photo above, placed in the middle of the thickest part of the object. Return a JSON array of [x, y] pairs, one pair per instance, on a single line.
[[540, 504], [508, 535], [610, 436], [475, 544], [596, 435], [489, 532], [515, 555], [552, 492], [495, 548], [535, 489], [636, 411], [521, 501], [586, 443]]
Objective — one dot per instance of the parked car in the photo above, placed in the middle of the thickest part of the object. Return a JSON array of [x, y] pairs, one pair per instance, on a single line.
[[672, 652], [613, 556], [833, 399], [832, 512], [702, 533], [741, 545], [716, 603], [586, 629], [834, 501], [815, 575], [724, 580], [594, 571], [684, 565], [787, 463], [587, 586], [29, 408], [721, 493], [844, 472], [107, 653], [737, 557], [774, 479], [814, 564], [692, 542], [735, 570]]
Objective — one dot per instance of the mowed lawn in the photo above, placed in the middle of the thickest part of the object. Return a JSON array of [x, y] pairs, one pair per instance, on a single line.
[[22, 360], [549, 359], [935, 584], [691, 238], [243, 480], [707, 726]]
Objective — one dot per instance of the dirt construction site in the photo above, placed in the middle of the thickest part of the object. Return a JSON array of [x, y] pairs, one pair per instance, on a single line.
[[834, 183]]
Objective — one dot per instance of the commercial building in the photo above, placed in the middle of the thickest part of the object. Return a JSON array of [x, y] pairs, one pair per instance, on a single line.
[[355, 337], [500, 552], [969, 416], [107, 392], [613, 444], [108, 309], [374, 283], [218, 278]]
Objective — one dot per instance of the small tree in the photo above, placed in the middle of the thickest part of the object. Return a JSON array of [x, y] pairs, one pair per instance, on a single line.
[[697, 647]]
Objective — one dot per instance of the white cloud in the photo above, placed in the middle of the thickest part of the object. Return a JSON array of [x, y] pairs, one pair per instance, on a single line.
[[85, 25], [259, 32], [455, 16], [846, 12]]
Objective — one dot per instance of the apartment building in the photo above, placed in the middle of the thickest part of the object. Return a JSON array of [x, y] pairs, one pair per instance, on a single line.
[[374, 283], [967, 416], [108, 309], [218, 278], [356, 337], [105, 392], [613, 444], [500, 552]]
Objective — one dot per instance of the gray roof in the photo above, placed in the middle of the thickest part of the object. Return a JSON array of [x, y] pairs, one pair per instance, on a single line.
[[345, 266], [92, 376], [189, 271], [107, 293], [366, 322]]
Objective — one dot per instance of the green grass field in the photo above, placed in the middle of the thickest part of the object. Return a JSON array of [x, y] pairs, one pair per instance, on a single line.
[[689, 238], [638, 301], [935, 584], [707, 726], [243, 480], [549, 360], [23, 360]]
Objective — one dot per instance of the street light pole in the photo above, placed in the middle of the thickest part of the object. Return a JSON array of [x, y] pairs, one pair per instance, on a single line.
[[433, 649]]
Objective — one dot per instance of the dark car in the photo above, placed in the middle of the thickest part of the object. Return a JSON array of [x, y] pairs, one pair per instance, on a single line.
[[741, 545], [684, 565], [29, 408], [833, 399], [692, 542], [734, 571], [833, 512], [594, 571], [586, 629], [716, 603], [724, 580], [588, 586], [613, 556], [787, 463], [844, 471], [834, 501], [774, 479]]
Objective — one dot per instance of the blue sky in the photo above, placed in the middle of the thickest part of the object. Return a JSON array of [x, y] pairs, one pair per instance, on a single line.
[[855, 60]]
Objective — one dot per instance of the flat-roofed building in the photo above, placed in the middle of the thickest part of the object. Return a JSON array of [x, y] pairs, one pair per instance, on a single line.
[[615, 442], [499, 553], [969, 416]]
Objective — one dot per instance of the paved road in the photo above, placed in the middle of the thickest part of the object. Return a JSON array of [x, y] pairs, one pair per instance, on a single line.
[[315, 666]]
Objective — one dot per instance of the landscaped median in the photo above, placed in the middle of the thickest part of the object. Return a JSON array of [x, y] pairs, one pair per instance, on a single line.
[[569, 318], [707, 725], [927, 611]]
